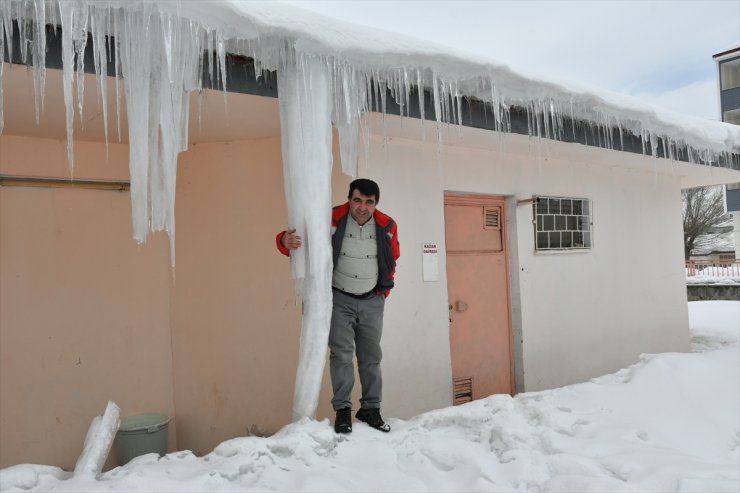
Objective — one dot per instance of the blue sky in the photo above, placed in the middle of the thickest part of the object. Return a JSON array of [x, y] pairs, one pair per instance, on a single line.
[[660, 51]]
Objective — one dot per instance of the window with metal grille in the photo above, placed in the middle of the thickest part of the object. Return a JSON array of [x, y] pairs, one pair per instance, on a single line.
[[562, 223]]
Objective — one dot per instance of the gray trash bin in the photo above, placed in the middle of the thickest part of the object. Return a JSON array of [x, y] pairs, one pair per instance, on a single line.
[[142, 434]]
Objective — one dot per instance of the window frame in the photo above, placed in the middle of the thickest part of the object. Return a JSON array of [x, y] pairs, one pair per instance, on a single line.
[[568, 219], [729, 74]]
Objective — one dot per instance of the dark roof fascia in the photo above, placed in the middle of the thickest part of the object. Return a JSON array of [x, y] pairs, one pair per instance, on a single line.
[[727, 52]]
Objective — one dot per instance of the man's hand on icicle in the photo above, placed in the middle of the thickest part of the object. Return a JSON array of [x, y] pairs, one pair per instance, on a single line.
[[290, 240]]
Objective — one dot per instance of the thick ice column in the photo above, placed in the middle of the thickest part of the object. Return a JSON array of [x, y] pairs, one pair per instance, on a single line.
[[305, 119]]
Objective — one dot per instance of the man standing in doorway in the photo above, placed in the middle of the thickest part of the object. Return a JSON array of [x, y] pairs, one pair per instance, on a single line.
[[365, 249]]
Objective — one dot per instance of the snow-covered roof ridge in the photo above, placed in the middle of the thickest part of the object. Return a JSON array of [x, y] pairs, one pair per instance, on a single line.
[[376, 49]]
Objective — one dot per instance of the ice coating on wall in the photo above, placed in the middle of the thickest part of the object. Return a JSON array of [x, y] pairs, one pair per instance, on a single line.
[[305, 122], [328, 72]]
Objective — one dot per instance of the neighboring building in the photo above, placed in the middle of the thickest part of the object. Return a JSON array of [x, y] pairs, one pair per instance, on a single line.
[[717, 244], [527, 263], [728, 76]]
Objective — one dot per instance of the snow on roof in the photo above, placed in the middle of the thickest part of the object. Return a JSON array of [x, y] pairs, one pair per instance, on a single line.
[[723, 241], [378, 51]]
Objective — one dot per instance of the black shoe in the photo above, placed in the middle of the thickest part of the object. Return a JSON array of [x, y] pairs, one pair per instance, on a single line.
[[343, 421], [372, 417]]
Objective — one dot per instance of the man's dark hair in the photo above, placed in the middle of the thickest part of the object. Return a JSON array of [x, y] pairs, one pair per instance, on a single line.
[[365, 187]]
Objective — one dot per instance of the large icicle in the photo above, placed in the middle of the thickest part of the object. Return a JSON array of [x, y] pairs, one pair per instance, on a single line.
[[305, 119], [5, 30], [157, 102], [350, 99], [135, 44], [39, 57], [98, 17], [66, 17], [2, 60]]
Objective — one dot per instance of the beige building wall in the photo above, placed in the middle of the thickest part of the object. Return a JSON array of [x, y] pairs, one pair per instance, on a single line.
[[235, 320], [88, 315], [577, 315], [624, 297], [84, 309]]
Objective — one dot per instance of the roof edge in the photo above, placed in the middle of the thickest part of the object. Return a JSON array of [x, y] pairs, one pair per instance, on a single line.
[[735, 49]]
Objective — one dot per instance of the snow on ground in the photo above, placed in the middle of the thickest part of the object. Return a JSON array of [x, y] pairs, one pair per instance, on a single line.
[[714, 324], [671, 422]]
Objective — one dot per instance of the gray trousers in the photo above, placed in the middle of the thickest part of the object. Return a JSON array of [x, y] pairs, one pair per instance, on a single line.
[[356, 324]]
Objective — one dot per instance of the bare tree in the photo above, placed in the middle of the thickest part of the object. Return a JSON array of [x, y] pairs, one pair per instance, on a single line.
[[703, 212]]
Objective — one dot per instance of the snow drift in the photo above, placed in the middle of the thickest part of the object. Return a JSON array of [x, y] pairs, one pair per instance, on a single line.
[[667, 423]]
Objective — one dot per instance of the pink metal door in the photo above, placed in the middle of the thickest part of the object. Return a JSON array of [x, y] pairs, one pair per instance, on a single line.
[[478, 289]]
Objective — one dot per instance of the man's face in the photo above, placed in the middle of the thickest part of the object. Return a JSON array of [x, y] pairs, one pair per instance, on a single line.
[[361, 207]]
